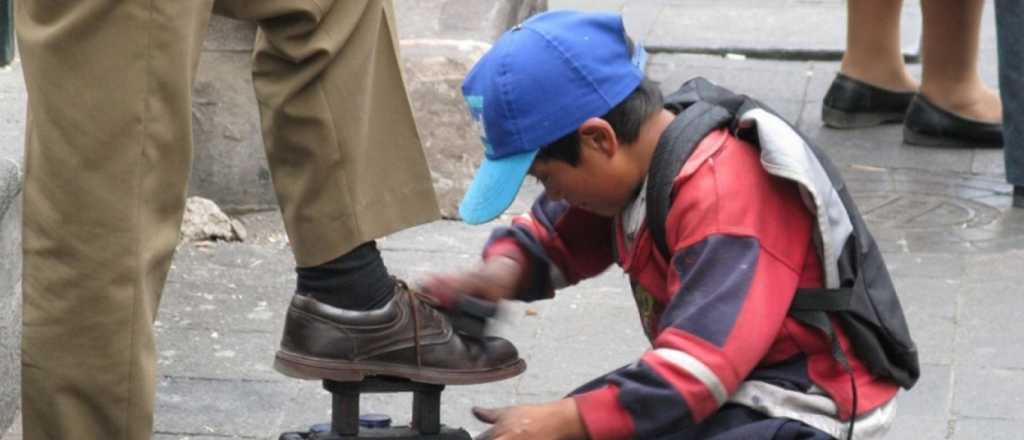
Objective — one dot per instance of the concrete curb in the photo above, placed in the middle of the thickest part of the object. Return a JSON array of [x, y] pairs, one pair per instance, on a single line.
[[10, 290]]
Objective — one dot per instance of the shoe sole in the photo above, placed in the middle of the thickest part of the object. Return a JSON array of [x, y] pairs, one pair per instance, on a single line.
[[841, 119], [911, 137], [305, 367]]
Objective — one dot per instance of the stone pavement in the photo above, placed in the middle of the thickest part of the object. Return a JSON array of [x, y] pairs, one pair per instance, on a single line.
[[942, 217]]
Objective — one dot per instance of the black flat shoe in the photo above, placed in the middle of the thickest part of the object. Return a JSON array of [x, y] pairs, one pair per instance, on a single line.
[[852, 103], [1018, 196], [927, 124]]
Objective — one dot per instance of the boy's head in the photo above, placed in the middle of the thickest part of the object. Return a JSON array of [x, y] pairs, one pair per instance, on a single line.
[[555, 97]]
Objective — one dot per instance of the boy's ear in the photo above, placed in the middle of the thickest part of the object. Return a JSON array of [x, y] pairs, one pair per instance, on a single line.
[[598, 134]]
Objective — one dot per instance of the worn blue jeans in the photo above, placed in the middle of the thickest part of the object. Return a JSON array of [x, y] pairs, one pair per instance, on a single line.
[[1010, 28]]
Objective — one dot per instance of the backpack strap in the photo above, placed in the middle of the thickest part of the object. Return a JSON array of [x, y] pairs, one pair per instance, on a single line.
[[674, 148], [704, 107], [822, 299]]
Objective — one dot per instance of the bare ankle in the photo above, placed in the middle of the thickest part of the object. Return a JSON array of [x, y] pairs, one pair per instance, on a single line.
[[973, 100]]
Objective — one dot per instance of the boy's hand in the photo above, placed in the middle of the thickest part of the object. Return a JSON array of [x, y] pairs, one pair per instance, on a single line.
[[559, 420], [493, 280]]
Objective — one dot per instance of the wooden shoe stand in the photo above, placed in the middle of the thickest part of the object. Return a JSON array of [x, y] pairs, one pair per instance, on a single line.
[[426, 413]]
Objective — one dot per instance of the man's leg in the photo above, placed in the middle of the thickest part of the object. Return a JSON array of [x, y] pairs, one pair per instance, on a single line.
[[107, 160], [348, 167], [1009, 23], [341, 141]]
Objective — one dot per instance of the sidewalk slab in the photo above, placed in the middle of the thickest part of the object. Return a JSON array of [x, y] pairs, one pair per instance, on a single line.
[[778, 29]]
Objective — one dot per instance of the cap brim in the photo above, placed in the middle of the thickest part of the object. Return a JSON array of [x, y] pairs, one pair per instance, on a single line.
[[495, 187]]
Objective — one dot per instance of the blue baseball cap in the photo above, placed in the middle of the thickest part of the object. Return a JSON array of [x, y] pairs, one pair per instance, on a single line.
[[539, 82]]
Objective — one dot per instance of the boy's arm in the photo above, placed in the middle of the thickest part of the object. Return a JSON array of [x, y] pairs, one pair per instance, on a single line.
[[556, 244]]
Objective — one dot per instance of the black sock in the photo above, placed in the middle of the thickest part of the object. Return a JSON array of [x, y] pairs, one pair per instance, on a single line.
[[357, 280]]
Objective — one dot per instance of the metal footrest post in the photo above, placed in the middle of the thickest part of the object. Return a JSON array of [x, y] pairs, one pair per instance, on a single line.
[[426, 413]]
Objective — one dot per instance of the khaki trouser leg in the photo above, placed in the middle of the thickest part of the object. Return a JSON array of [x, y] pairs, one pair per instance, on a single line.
[[344, 154], [107, 161], [108, 150]]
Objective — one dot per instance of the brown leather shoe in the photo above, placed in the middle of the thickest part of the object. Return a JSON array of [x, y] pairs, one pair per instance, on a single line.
[[406, 338]]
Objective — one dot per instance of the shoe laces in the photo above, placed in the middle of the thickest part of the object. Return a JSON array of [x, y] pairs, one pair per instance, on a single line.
[[416, 299]]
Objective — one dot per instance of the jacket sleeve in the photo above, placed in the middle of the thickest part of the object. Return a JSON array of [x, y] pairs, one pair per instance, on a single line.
[[558, 244]]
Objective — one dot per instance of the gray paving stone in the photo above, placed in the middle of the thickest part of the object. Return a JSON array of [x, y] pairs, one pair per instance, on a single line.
[[249, 310], [931, 397], [989, 393], [911, 427], [588, 5], [999, 201], [994, 267], [12, 112], [759, 78], [413, 266], [879, 146], [203, 294], [989, 313], [989, 161], [640, 16], [477, 20], [593, 324], [769, 81], [581, 340], [970, 428], [307, 403], [219, 407], [439, 237], [777, 28], [217, 354], [903, 265], [930, 306], [12, 116]]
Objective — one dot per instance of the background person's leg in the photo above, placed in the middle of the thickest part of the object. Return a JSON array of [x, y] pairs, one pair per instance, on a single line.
[[1010, 28], [872, 86], [346, 160], [949, 56], [107, 160], [873, 53]]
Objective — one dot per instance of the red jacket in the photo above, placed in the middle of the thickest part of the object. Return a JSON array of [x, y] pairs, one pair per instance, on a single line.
[[716, 313]]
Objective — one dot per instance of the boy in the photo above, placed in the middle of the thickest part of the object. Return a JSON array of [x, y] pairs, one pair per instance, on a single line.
[[563, 99]]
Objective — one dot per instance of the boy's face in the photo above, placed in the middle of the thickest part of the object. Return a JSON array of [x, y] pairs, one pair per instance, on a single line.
[[601, 183]]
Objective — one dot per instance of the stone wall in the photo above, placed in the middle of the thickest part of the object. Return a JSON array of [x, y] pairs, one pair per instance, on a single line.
[[229, 164]]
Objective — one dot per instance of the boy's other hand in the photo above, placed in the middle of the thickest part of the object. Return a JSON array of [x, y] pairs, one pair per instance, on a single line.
[[496, 279], [558, 420]]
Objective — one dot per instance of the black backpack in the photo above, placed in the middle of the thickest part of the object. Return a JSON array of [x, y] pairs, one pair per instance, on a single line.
[[865, 303]]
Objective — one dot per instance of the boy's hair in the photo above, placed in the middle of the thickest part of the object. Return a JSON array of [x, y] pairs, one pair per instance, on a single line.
[[626, 119]]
